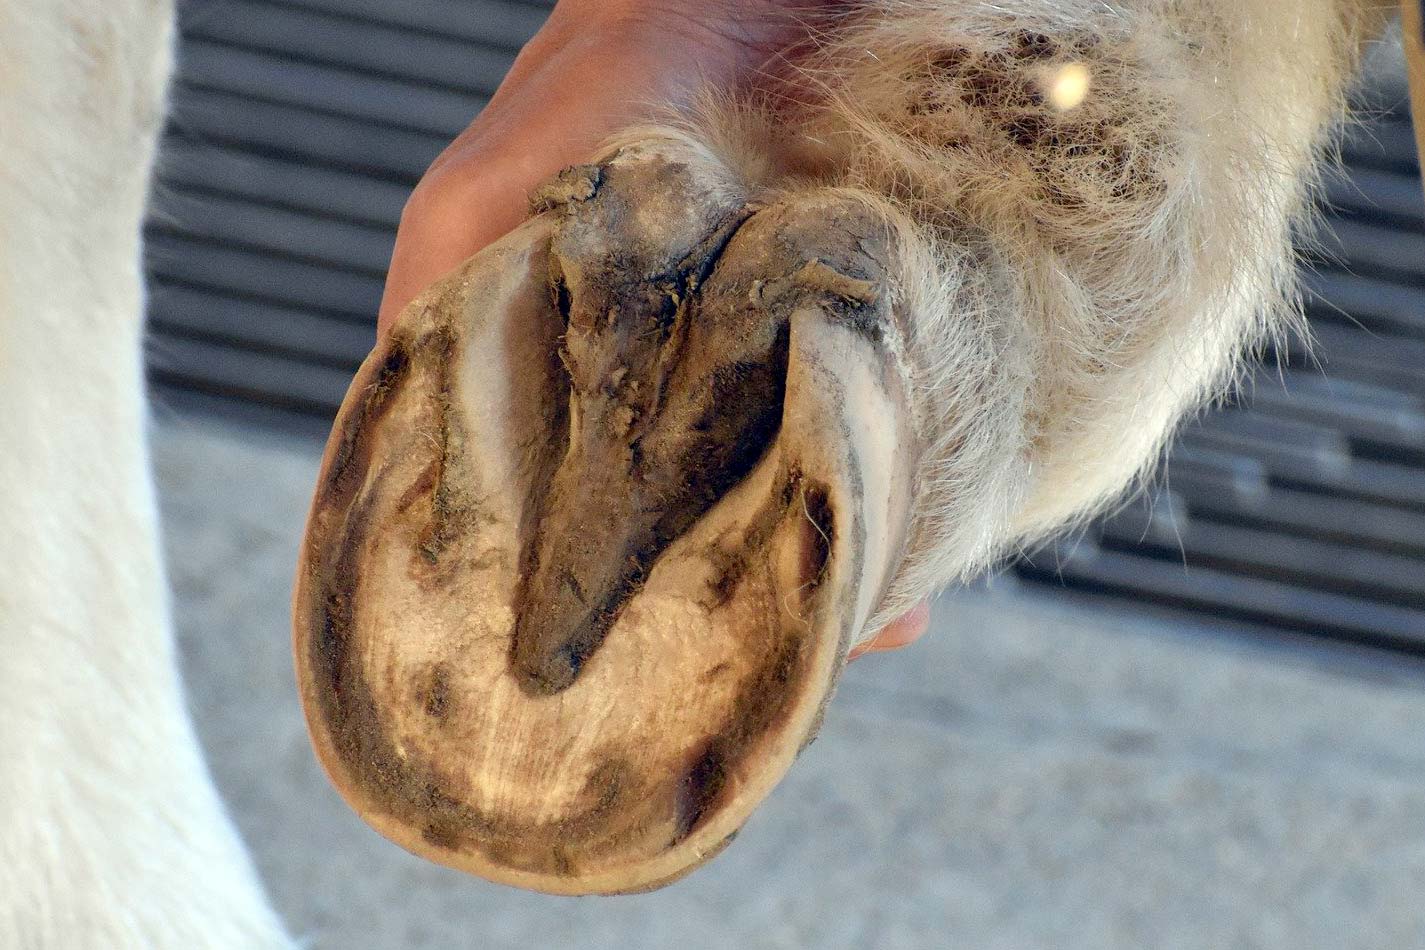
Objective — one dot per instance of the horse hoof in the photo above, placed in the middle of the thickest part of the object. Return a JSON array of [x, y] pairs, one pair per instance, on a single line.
[[599, 521]]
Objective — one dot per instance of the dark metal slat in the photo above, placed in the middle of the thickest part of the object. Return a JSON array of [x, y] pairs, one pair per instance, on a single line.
[[1302, 561], [1303, 513], [1390, 484], [1228, 472], [363, 47], [1401, 426], [497, 22], [1380, 359], [1246, 424], [1377, 195], [1358, 301], [255, 325], [257, 227], [1304, 467], [321, 191], [248, 274], [1395, 352], [1224, 594], [264, 378], [1371, 248], [1315, 461], [390, 102], [201, 115], [1388, 145]]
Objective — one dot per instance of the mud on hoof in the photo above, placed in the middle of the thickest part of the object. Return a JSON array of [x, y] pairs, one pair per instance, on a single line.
[[599, 521]]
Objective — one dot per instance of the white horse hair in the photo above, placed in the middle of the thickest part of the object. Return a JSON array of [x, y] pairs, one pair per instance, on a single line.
[[111, 833], [1083, 273]]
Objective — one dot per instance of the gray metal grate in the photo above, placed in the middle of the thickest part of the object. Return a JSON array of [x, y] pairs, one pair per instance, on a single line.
[[298, 127]]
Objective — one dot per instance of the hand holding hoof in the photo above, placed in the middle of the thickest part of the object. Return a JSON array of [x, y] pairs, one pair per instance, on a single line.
[[600, 521]]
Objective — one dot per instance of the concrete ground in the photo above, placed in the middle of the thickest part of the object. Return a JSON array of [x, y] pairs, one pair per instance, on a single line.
[[1036, 773]]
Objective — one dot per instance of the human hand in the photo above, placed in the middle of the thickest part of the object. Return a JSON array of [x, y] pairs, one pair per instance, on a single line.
[[596, 67]]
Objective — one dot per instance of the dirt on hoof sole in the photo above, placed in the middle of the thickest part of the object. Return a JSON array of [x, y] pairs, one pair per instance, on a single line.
[[599, 521]]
